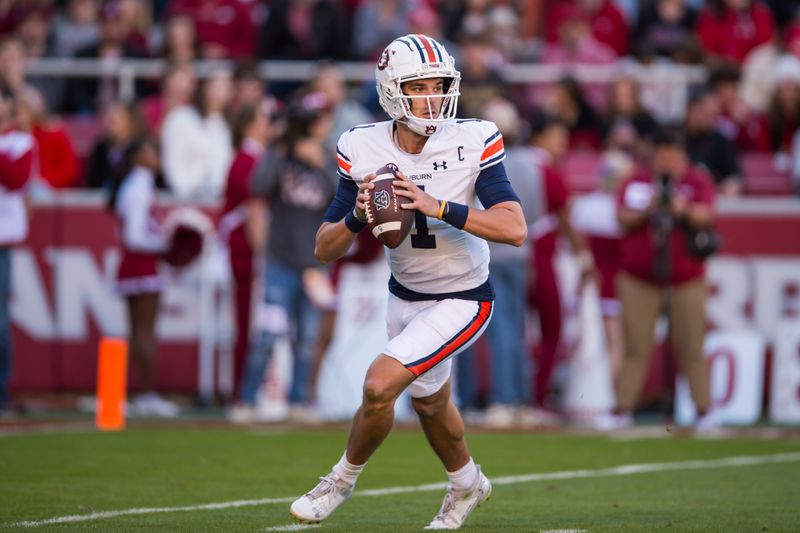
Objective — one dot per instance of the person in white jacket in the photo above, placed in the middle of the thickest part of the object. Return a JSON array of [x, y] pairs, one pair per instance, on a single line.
[[143, 242], [196, 142]]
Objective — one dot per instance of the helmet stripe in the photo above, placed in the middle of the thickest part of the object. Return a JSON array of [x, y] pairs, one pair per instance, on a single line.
[[428, 48], [438, 48], [419, 47]]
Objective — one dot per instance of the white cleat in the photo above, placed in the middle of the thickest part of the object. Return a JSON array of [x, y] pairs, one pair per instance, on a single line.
[[317, 505], [456, 507]]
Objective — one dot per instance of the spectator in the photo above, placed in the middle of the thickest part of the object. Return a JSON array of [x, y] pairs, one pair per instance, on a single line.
[[33, 34], [377, 22], [133, 201], [181, 45], [736, 122], [250, 135], [605, 21], [76, 27], [12, 67], [298, 178], [549, 138], [625, 103], [595, 216], [729, 29], [665, 29], [136, 20], [16, 161], [783, 114], [577, 46], [225, 28], [248, 87], [177, 89], [122, 123], [196, 142], [55, 159], [504, 33], [480, 79], [346, 111], [509, 270], [87, 95], [758, 69], [303, 29], [365, 249], [564, 100], [708, 147], [655, 209]]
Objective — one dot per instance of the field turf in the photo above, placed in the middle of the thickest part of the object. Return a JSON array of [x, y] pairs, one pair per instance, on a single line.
[[159, 470]]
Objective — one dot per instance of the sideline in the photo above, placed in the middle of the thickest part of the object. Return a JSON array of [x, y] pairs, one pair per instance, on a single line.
[[622, 470]]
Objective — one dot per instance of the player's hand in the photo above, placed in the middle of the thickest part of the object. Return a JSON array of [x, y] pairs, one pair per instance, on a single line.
[[363, 195], [420, 200], [679, 205]]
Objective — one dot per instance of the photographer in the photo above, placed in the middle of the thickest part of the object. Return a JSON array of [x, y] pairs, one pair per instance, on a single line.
[[661, 213]]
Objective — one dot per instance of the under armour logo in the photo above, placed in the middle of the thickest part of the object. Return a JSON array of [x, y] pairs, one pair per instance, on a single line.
[[381, 200], [436, 165]]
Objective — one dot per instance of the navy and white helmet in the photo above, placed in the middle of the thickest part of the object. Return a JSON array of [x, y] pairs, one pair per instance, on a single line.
[[416, 57]]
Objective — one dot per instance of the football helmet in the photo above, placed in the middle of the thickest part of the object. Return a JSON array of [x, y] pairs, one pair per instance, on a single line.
[[416, 57]]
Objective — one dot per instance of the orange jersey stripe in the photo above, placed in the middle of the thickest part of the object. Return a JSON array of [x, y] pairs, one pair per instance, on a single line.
[[492, 149], [344, 164], [456, 343]]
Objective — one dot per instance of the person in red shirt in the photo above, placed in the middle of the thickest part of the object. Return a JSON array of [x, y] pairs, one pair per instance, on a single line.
[[550, 140], [655, 209], [605, 19], [16, 158], [729, 29], [226, 28], [250, 129], [55, 159]]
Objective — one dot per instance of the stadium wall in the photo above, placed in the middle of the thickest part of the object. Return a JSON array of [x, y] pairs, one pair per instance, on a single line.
[[63, 297]]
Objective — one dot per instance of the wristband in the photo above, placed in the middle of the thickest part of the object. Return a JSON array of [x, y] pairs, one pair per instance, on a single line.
[[353, 223], [456, 215], [442, 209]]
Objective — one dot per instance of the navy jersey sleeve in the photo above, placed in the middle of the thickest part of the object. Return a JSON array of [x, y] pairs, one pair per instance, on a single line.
[[343, 202], [493, 187]]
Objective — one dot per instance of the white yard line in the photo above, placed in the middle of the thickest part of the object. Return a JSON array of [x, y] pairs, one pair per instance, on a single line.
[[292, 527], [622, 470]]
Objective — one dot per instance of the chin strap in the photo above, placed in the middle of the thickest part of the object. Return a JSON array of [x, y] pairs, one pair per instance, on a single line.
[[422, 127]]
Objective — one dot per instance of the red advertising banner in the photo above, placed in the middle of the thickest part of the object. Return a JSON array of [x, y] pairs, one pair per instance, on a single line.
[[63, 297]]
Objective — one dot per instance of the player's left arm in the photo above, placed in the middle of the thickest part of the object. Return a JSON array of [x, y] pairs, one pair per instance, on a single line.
[[501, 220]]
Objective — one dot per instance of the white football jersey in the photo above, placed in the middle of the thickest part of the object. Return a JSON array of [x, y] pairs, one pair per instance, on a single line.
[[435, 258]]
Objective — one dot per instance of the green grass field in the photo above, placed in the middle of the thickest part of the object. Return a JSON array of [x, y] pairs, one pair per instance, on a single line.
[[83, 473]]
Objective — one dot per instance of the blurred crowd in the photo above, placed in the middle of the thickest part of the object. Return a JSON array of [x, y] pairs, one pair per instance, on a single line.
[[750, 103], [255, 148]]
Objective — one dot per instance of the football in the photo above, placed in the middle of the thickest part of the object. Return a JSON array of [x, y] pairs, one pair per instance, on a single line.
[[389, 223]]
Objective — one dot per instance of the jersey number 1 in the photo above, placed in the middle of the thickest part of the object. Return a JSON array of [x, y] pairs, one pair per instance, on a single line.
[[422, 238]]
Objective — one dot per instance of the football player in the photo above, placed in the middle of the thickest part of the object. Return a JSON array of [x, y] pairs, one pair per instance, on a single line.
[[440, 295]]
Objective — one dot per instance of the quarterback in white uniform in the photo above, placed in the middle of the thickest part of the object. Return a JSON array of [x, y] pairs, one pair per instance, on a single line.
[[441, 297]]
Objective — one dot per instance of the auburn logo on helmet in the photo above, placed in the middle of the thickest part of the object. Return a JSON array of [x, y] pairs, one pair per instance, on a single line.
[[383, 62]]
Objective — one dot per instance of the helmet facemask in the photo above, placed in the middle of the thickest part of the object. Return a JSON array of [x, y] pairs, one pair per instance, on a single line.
[[447, 108]]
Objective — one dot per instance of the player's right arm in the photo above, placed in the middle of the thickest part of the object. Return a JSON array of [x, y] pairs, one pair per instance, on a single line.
[[344, 219]]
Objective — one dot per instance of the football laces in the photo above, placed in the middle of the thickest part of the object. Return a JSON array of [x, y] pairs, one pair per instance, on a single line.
[[368, 210]]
